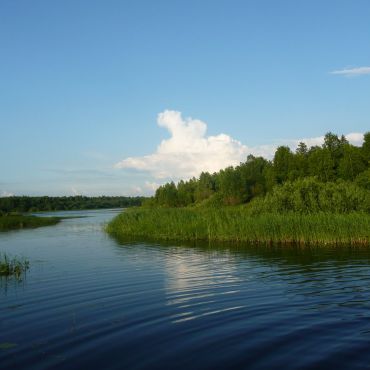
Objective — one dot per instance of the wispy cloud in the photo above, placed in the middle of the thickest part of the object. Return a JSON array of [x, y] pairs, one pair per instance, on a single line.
[[136, 190], [151, 186], [74, 191], [348, 72], [189, 151]]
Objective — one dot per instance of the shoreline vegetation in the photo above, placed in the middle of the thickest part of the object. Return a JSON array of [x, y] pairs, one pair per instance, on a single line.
[[240, 226], [13, 266], [42, 204], [17, 221], [13, 207], [315, 196]]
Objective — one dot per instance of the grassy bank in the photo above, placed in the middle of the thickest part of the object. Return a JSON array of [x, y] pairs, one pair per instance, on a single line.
[[13, 266], [13, 222], [236, 224]]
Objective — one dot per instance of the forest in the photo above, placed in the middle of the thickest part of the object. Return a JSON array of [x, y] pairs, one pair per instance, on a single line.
[[332, 177], [45, 203]]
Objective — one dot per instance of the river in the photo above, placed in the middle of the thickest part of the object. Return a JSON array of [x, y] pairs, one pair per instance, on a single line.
[[91, 302]]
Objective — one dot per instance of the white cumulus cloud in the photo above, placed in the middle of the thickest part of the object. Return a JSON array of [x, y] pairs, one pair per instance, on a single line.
[[355, 138], [152, 186], [189, 151], [358, 71]]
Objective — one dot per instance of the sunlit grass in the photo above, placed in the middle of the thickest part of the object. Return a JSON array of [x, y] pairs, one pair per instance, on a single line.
[[238, 225]]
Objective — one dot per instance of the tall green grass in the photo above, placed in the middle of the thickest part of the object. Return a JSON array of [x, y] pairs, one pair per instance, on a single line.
[[12, 222], [237, 224], [13, 266]]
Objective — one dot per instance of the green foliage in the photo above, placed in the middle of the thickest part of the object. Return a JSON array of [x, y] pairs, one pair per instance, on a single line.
[[14, 221], [230, 185], [363, 179], [35, 204], [308, 195], [321, 164], [204, 187], [12, 266], [283, 163], [167, 195], [237, 224], [336, 160], [313, 196], [351, 163], [366, 147]]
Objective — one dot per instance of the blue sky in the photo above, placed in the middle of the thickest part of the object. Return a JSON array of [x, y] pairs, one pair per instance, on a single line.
[[83, 83]]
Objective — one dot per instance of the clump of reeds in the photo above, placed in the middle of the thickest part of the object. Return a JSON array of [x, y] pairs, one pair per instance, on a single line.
[[13, 266], [17, 221], [237, 224]]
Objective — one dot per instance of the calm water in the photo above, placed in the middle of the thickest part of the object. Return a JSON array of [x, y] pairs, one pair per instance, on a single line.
[[89, 302]]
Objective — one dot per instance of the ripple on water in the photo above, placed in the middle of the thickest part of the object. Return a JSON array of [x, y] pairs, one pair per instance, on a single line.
[[88, 302]]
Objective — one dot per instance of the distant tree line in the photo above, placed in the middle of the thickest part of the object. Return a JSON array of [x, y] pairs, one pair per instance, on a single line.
[[335, 162], [34, 204]]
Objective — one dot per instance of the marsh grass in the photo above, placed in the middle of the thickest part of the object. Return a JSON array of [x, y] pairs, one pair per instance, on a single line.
[[13, 266], [17, 221], [237, 224]]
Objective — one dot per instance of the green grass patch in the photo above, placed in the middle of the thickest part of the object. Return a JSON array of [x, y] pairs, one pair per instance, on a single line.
[[237, 224], [13, 266], [15, 221]]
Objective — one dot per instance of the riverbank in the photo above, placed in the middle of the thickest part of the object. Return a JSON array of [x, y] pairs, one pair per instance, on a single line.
[[13, 222], [237, 224]]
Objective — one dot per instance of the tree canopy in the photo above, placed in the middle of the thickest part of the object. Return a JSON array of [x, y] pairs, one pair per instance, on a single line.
[[336, 161], [34, 204]]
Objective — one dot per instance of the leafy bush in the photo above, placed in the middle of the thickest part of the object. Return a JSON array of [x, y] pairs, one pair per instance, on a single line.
[[309, 195]]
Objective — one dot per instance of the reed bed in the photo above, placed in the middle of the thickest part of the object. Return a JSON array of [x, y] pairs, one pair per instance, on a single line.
[[239, 225], [12, 222], [13, 266]]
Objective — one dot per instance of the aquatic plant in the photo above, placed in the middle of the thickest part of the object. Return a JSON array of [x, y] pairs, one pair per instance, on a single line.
[[13, 266], [17, 221], [238, 224]]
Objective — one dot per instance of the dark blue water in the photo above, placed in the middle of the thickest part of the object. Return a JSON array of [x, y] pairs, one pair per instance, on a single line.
[[89, 302]]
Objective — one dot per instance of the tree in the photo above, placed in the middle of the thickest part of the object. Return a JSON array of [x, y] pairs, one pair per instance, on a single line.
[[252, 173], [363, 179], [185, 192], [335, 146], [283, 161], [166, 195], [205, 186], [231, 186], [321, 164], [302, 149], [300, 162], [352, 163], [366, 148]]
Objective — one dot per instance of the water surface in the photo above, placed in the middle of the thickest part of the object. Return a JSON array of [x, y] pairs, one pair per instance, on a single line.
[[90, 302]]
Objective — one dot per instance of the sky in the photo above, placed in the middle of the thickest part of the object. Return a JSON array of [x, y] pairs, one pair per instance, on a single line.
[[116, 97]]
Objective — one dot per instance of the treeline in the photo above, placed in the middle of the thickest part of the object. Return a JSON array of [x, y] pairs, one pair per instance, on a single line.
[[35, 204], [337, 164]]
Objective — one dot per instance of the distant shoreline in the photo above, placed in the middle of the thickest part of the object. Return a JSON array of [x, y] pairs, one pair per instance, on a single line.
[[29, 204]]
